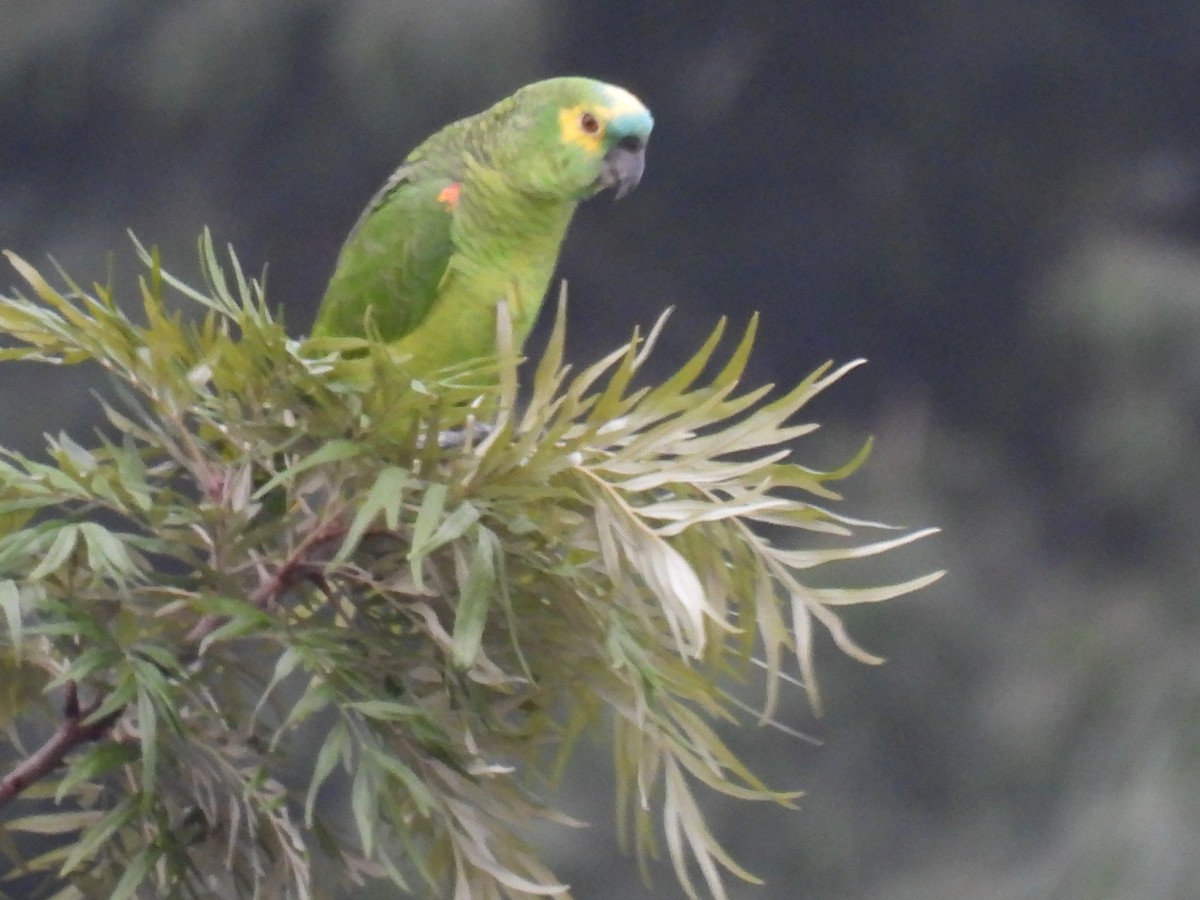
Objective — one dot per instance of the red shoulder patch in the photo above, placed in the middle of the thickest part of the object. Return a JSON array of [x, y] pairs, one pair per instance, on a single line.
[[449, 195]]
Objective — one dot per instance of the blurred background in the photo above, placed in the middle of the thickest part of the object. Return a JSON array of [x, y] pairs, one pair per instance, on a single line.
[[997, 203]]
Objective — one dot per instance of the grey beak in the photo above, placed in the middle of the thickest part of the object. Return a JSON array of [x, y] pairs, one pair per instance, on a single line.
[[623, 166]]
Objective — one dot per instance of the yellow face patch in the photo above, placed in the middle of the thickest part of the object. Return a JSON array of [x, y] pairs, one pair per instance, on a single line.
[[584, 125]]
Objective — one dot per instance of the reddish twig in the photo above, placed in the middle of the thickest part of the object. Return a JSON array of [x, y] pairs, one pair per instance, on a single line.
[[293, 568], [74, 730]]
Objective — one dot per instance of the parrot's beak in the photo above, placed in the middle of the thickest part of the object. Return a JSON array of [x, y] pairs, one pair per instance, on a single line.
[[623, 166]]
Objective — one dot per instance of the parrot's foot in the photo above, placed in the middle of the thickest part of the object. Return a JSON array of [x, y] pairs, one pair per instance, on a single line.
[[458, 437]]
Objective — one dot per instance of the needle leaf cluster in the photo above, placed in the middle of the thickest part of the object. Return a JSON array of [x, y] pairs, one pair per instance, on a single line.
[[333, 625]]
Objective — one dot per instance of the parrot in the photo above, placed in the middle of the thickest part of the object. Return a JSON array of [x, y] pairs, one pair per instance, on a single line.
[[476, 215]]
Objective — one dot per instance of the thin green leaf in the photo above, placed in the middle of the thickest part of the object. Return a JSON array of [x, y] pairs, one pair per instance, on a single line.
[[95, 836], [420, 793], [135, 872], [332, 749], [475, 597], [55, 823], [385, 497], [60, 550], [364, 803], [333, 451], [147, 723], [10, 602], [853, 596], [98, 761]]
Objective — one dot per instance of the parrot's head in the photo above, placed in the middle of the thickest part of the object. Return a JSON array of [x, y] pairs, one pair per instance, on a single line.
[[575, 137]]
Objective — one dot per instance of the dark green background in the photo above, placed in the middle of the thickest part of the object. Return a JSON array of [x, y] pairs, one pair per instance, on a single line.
[[995, 202]]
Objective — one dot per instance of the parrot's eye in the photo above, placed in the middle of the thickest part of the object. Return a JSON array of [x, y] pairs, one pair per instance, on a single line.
[[589, 123]]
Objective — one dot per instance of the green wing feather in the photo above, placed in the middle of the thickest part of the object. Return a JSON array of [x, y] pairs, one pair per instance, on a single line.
[[431, 269], [374, 270]]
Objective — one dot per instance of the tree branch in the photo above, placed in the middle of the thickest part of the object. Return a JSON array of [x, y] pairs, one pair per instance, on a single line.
[[294, 567], [74, 730]]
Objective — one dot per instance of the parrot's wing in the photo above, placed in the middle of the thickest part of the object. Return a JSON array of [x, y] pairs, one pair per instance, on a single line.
[[393, 260]]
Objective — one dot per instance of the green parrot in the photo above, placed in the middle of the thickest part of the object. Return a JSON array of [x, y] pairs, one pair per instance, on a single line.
[[476, 215]]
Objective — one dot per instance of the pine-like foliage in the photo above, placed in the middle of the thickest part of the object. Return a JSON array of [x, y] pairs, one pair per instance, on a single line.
[[294, 621]]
